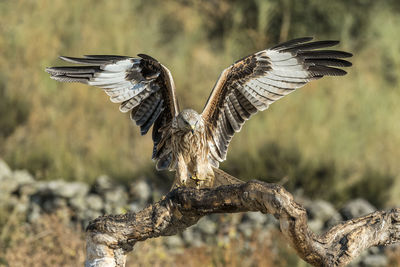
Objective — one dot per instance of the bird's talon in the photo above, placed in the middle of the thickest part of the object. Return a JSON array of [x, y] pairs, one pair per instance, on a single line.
[[197, 179]]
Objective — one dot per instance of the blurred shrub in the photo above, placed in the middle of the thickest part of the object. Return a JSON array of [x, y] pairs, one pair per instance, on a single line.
[[273, 163], [14, 110], [374, 186], [315, 179], [276, 20]]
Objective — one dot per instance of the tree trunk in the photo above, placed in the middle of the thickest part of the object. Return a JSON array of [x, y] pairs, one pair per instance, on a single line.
[[111, 237]]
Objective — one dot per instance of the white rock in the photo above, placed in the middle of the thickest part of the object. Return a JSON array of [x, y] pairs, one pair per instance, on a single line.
[[173, 241], [374, 261], [141, 191], [356, 208], [23, 177], [256, 217], [5, 170], [94, 202], [207, 226], [63, 189]]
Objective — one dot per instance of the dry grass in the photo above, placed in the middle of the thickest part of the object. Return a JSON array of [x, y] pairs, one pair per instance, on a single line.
[[394, 256], [50, 242], [235, 253]]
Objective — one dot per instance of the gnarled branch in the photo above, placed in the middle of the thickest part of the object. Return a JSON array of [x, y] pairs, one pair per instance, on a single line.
[[110, 238]]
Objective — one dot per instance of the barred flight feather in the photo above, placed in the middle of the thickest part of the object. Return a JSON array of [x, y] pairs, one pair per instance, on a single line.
[[291, 43], [142, 85], [256, 81]]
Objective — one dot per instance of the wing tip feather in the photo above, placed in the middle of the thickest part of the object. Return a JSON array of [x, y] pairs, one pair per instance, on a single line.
[[144, 56], [292, 42]]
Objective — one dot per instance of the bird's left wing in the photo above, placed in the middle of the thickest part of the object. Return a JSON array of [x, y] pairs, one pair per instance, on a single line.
[[256, 81], [141, 85]]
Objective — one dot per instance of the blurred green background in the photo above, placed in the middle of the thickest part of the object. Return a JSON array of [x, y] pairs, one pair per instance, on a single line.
[[336, 138]]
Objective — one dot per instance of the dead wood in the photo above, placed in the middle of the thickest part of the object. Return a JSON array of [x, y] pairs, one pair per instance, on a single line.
[[111, 237]]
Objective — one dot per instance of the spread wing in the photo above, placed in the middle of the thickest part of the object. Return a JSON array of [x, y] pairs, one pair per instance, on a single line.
[[142, 86], [256, 81]]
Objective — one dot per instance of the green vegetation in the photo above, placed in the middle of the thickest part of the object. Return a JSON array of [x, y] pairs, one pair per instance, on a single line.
[[339, 135], [16, 110]]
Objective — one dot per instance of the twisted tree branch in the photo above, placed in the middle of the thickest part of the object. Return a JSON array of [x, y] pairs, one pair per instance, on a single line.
[[110, 238]]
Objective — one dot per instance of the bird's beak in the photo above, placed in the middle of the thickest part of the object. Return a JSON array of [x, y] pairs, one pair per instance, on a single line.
[[192, 128]]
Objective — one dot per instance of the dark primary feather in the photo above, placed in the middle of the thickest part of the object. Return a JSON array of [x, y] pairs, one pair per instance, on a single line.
[[68, 74], [328, 54], [88, 60], [258, 80], [328, 62], [310, 46], [106, 57], [144, 56], [291, 43], [142, 86]]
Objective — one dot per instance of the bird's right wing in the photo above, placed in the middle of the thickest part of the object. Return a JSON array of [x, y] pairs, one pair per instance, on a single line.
[[141, 85], [256, 81]]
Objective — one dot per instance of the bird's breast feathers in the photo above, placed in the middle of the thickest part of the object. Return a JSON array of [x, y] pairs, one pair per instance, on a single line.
[[190, 145]]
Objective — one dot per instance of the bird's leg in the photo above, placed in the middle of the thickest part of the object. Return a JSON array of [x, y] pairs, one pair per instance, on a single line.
[[200, 176], [182, 174], [197, 178]]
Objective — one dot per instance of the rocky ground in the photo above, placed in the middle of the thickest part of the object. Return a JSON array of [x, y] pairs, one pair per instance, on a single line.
[[79, 203]]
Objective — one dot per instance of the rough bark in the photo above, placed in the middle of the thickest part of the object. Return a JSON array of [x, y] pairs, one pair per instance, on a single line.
[[110, 238]]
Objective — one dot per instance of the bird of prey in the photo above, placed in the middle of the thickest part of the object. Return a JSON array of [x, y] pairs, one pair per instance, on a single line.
[[193, 144]]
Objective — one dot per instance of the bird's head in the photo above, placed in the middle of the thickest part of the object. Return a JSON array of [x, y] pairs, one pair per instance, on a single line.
[[189, 120]]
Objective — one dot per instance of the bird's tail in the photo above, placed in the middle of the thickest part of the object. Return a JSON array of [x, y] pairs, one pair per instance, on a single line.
[[223, 178], [220, 178]]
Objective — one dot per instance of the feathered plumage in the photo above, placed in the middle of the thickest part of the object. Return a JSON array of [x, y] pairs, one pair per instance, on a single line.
[[191, 143], [256, 81], [142, 86]]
